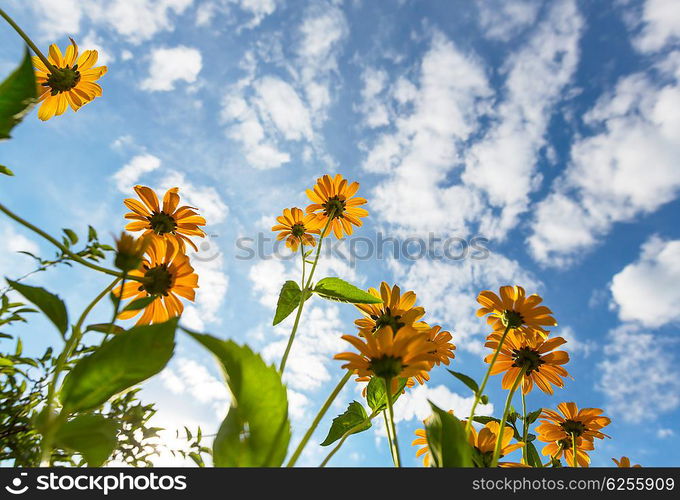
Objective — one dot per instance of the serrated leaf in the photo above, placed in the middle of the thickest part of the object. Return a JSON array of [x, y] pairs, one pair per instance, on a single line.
[[138, 304], [6, 171], [449, 446], [93, 436], [17, 95], [256, 430], [376, 396], [51, 305], [340, 291], [354, 416], [120, 363], [289, 300], [468, 381]]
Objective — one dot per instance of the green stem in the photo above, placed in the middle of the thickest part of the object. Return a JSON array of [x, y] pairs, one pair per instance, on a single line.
[[116, 308], [478, 396], [61, 247], [501, 428], [346, 435], [389, 436], [317, 419], [394, 443], [303, 293], [28, 40], [573, 450], [71, 344], [525, 429]]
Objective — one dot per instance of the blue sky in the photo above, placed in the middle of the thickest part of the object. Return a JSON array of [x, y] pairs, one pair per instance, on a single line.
[[549, 128]]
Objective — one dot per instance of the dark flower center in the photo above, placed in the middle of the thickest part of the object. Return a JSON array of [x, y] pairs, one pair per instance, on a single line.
[[162, 223], [386, 367], [63, 80], [386, 319], [158, 280], [573, 427], [334, 205], [297, 230], [527, 358], [513, 319]]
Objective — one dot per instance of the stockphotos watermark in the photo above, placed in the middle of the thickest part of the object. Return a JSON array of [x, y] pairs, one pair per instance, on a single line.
[[265, 246]]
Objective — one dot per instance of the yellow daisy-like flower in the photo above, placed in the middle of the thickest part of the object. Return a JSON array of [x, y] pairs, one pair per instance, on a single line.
[[624, 462], [485, 442], [130, 251], [558, 429], [442, 350], [297, 228], [534, 354], [396, 311], [389, 355], [515, 310], [168, 222], [334, 197], [73, 82], [168, 275], [565, 448]]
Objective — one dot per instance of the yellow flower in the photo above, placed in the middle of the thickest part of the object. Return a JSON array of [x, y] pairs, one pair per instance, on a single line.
[[334, 197], [442, 346], [389, 355], [485, 442], [395, 311], [130, 251], [624, 463], [558, 429], [168, 275], [515, 310], [167, 222], [533, 353], [297, 228], [73, 84]]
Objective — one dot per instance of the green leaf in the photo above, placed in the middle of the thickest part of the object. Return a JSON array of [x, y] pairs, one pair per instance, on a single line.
[[120, 363], [71, 235], [104, 328], [376, 396], [341, 291], [256, 430], [484, 420], [353, 417], [468, 381], [138, 304], [289, 300], [93, 436], [6, 171], [533, 458], [531, 417], [17, 95], [51, 305], [446, 439]]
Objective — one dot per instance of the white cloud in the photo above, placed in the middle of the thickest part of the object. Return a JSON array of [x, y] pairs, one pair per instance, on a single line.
[[639, 375], [414, 404], [373, 107], [574, 344], [171, 65], [278, 102], [205, 198], [135, 20], [503, 164], [257, 9], [129, 175], [503, 19], [661, 25], [647, 290], [448, 291], [92, 41], [609, 179], [664, 433], [14, 264]]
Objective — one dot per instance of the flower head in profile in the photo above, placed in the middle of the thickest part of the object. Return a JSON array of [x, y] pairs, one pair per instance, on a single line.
[[442, 350], [515, 310], [333, 198], [130, 251], [167, 275], [71, 84], [624, 463], [389, 355], [484, 443], [396, 311], [297, 228], [532, 353], [560, 428], [169, 221]]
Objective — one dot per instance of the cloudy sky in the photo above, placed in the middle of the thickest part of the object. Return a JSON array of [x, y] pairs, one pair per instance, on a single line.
[[549, 128]]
